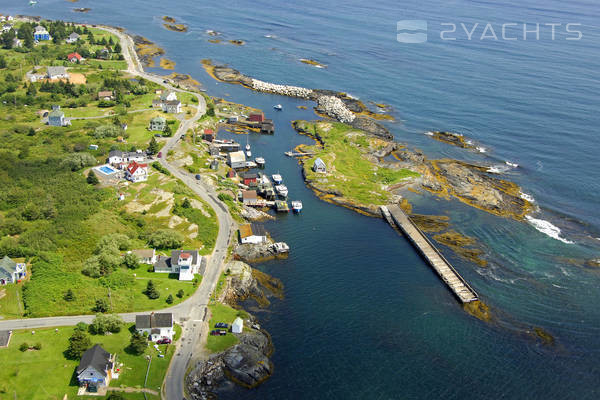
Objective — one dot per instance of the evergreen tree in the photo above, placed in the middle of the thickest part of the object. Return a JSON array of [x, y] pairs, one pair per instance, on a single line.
[[92, 179], [180, 293], [138, 343], [168, 132], [118, 48], [79, 342], [101, 306], [153, 146], [69, 295], [186, 203], [2, 62], [151, 291], [169, 299], [31, 90]]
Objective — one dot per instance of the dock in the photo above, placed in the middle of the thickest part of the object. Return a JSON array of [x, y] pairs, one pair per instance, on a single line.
[[456, 283], [297, 154]]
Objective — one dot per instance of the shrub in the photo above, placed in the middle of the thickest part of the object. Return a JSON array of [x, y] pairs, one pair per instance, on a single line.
[[158, 166], [24, 346], [69, 295], [101, 306], [169, 299], [151, 291], [106, 323], [37, 346], [165, 239], [180, 293], [79, 342], [77, 161], [138, 343]]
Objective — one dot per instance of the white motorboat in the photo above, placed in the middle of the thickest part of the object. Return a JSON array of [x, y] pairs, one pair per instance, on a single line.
[[278, 107], [248, 153], [296, 206], [282, 190], [277, 179], [260, 162]]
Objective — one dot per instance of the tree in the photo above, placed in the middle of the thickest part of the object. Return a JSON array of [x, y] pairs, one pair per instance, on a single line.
[[131, 261], [24, 346], [7, 39], [168, 131], [166, 239], [153, 146], [169, 299], [115, 396], [101, 306], [31, 132], [180, 293], [186, 203], [79, 342], [69, 295], [106, 323], [138, 343], [151, 291], [92, 179], [117, 48], [82, 326], [2, 62], [77, 161]]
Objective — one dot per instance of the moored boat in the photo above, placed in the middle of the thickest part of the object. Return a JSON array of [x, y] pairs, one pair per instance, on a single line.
[[282, 206], [296, 206], [260, 162], [277, 179], [282, 190], [278, 107]]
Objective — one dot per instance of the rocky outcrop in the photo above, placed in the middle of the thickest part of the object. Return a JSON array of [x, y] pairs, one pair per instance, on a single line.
[[246, 364], [252, 214], [242, 284], [251, 253]]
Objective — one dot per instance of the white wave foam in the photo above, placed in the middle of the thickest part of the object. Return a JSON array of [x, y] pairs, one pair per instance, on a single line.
[[481, 149], [498, 169], [547, 228], [527, 197], [511, 164], [428, 133]]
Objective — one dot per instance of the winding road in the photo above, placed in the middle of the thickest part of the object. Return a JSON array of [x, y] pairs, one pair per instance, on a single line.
[[192, 312]]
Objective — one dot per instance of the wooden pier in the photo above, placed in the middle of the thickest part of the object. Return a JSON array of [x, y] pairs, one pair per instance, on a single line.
[[395, 216]]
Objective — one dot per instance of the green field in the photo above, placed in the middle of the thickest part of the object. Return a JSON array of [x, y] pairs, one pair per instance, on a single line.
[[47, 374], [349, 171], [222, 313]]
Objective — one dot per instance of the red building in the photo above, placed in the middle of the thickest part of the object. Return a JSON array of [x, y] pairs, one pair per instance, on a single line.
[[74, 57], [256, 117], [208, 135], [250, 178]]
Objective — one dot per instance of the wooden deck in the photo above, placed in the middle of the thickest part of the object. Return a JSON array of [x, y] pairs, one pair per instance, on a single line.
[[430, 253]]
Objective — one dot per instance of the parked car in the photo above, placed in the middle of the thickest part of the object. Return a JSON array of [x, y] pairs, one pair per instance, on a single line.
[[222, 332], [159, 154], [157, 135], [221, 325], [215, 332], [163, 341]]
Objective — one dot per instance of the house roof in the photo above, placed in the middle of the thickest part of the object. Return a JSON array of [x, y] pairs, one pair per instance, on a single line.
[[56, 71], [144, 253], [166, 94], [208, 132], [319, 163], [185, 256], [56, 113], [245, 231], [7, 268], [74, 55], [172, 102], [95, 357], [175, 256], [238, 322], [105, 93], [258, 230], [249, 194], [115, 153], [154, 320], [237, 156], [74, 35], [250, 175], [133, 166], [158, 119], [40, 29]]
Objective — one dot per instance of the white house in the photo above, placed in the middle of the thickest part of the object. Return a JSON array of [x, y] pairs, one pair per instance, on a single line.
[[136, 172], [186, 263], [156, 325], [253, 234], [72, 38], [172, 106], [237, 326], [95, 369], [146, 256], [236, 159], [168, 95], [319, 166], [10, 271], [57, 73], [116, 157]]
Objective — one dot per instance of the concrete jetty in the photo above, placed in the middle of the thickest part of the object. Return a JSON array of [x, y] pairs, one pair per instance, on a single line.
[[395, 216]]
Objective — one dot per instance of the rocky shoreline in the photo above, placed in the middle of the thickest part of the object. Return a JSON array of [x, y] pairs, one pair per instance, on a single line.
[[336, 105], [247, 363]]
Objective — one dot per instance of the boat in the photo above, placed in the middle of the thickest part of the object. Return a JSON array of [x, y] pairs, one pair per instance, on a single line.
[[247, 144], [289, 154], [32, 2], [282, 206], [296, 206], [277, 179], [260, 162], [251, 164], [282, 190], [248, 153], [281, 247], [278, 107]]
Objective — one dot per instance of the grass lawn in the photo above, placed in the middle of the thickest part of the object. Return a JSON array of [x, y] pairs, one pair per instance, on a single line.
[[47, 374], [11, 305], [348, 170], [222, 313]]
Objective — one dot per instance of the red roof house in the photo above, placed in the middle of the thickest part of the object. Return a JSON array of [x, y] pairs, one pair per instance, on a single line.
[[75, 57], [136, 172]]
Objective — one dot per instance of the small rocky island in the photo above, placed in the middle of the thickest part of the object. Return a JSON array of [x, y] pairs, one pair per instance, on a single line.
[[172, 25]]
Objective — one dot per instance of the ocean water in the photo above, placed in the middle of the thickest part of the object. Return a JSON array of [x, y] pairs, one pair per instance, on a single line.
[[363, 315]]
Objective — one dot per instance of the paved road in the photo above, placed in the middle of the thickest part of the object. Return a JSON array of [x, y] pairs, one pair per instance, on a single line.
[[191, 312]]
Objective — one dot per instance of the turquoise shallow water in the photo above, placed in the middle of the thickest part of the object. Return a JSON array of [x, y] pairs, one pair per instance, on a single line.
[[363, 315]]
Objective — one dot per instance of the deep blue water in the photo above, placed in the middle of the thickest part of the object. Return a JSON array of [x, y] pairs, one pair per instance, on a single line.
[[364, 316]]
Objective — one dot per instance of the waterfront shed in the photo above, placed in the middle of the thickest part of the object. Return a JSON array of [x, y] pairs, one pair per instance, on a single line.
[[236, 159], [256, 117], [319, 166], [237, 326]]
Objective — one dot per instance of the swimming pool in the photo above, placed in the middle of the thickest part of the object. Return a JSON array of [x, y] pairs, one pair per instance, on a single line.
[[106, 170]]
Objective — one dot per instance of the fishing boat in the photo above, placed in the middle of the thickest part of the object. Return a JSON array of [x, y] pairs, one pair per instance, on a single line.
[[277, 179], [281, 247], [282, 190], [278, 107], [289, 154], [282, 206], [260, 162], [296, 206]]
